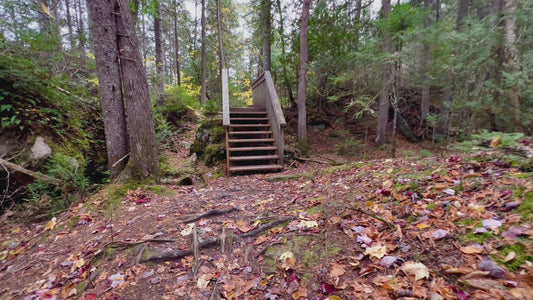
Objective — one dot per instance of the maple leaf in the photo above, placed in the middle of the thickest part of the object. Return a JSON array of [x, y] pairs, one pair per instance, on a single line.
[[419, 270], [51, 224]]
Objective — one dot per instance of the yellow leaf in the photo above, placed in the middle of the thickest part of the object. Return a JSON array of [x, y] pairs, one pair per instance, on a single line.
[[422, 226], [308, 224], [288, 261], [50, 225], [333, 297], [46, 10], [496, 141]]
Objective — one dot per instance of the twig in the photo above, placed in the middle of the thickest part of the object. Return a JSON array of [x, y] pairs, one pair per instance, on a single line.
[[211, 213], [7, 185], [212, 242], [312, 160], [375, 216]]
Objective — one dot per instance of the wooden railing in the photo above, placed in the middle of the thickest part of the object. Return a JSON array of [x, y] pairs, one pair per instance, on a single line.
[[225, 98], [264, 95]]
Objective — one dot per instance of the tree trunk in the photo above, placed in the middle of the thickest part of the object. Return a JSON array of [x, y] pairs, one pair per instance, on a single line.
[[512, 62], [284, 55], [424, 70], [159, 67], [176, 45], [71, 40], [221, 60], [82, 39], [104, 35], [302, 81], [386, 81], [144, 160], [266, 34], [203, 89]]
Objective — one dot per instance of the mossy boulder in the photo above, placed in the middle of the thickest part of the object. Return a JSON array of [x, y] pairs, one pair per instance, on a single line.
[[209, 143]]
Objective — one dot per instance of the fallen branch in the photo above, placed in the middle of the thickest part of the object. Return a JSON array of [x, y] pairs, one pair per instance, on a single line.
[[30, 173], [177, 254], [375, 216], [211, 213]]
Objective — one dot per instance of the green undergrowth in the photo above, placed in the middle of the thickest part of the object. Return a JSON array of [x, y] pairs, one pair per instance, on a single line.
[[520, 248]]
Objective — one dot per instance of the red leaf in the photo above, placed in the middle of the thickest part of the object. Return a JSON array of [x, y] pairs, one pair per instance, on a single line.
[[327, 289]]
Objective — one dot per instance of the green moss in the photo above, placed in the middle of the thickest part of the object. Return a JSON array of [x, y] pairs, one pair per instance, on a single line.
[[526, 207], [81, 287], [479, 238], [73, 221], [315, 209], [431, 205], [523, 175], [425, 153], [521, 256]]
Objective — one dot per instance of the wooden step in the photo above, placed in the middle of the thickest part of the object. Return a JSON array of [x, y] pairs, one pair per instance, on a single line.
[[248, 113], [261, 148], [249, 132], [248, 119], [255, 168], [248, 125], [250, 140], [247, 109], [254, 157]]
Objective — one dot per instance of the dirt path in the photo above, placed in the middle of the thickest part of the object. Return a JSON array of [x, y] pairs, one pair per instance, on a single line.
[[456, 225]]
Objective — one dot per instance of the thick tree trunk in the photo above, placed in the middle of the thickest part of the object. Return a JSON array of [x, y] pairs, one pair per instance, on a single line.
[[511, 58], [82, 39], [104, 35], [159, 67], [144, 160], [221, 60], [203, 89], [386, 82], [266, 33], [302, 81]]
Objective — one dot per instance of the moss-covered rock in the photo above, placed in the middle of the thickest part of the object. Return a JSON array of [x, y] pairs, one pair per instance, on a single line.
[[209, 142]]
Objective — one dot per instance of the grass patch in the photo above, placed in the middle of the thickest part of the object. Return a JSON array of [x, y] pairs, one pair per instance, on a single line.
[[73, 221], [423, 153], [315, 209], [526, 207], [523, 175], [479, 238]]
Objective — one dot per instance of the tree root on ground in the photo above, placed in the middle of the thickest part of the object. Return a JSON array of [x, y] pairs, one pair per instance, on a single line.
[[212, 242]]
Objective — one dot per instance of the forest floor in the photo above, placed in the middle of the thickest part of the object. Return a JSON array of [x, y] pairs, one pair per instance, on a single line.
[[446, 227]]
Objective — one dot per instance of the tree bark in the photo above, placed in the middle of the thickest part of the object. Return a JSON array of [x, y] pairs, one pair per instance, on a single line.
[[159, 67], [104, 35], [82, 39], [302, 81], [176, 45], [69, 25], [143, 160], [424, 69], [266, 34], [203, 89], [386, 81], [511, 58], [221, 60], [284, 55]]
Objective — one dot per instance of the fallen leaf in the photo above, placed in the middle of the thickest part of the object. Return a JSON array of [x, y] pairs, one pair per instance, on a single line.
[[308, 224], [510, 256], [377, 251], [419, 270], [491, 224], [515, 231], [203, 281], [422, 226], [187, 230], [439, 234], [388, 261], [472, 249], [484, 283], [333, 297], [288, 261], [494, 270], [336, 270], [51, 224], [449, 192]]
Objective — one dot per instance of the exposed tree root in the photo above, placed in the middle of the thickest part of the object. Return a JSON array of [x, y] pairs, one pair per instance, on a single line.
[[31, 173], [212, 242], [211, 213]]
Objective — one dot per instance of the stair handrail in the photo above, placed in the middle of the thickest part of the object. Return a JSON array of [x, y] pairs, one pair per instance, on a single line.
[[264, 95], [225, 98]]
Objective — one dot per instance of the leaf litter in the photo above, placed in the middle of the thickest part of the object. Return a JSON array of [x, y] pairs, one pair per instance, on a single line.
[[339, 244]]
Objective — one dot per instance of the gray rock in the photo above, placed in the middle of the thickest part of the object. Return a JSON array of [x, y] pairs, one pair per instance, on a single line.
[[40, 149]]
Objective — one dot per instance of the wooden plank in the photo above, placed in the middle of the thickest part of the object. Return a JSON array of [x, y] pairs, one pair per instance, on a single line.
[[256, 168], [250, 140], [225, 98], [249, 132], [266, 148], [254, 157], [248, 125]]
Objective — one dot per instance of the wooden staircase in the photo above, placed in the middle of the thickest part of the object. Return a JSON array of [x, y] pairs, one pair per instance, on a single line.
[[249, 142]]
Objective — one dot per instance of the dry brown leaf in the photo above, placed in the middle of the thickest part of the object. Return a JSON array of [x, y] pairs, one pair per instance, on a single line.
[[472, 249], [419, 270], [336, 270], [377, 251]]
